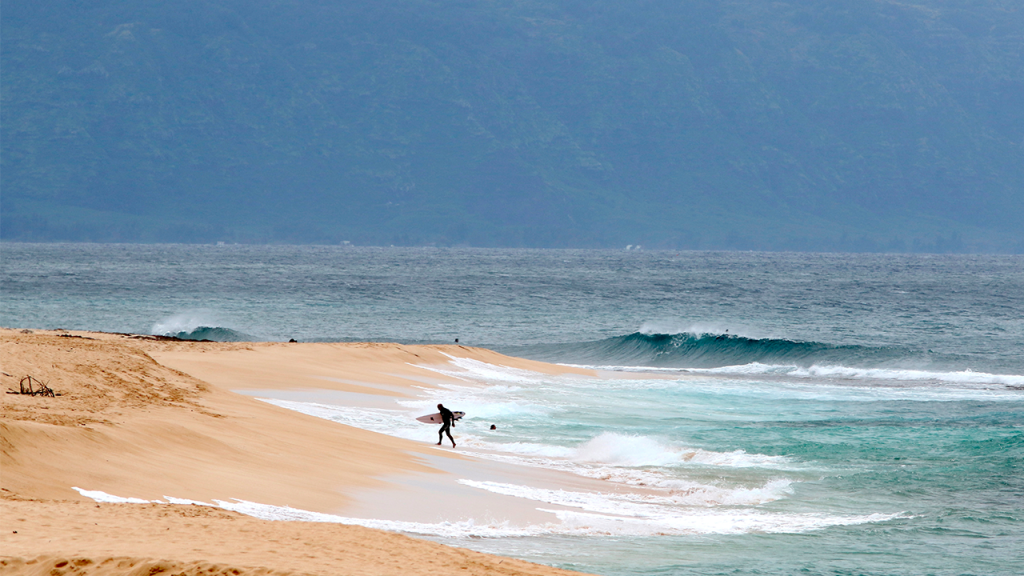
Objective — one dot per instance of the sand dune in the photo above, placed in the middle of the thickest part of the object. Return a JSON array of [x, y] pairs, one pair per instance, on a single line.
[[146, 418]]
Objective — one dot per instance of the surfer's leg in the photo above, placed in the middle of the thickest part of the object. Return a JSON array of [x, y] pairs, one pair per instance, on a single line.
[[440, 434], [450, 437]]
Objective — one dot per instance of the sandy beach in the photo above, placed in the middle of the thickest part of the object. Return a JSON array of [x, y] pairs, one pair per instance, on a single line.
[[146, 418]]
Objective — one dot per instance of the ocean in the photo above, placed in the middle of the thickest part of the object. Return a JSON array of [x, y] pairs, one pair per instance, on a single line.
[[784, 413]]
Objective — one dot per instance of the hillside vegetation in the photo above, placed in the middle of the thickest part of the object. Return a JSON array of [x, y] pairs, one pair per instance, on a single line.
[[741, 124]]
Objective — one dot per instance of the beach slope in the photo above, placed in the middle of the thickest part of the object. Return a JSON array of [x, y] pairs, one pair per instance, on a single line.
[[144, 418]]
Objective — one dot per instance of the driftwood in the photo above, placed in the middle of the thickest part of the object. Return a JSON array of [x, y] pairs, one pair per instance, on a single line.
[[41, 389]]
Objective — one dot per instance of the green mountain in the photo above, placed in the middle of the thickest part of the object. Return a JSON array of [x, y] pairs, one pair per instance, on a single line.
[[739, 124]]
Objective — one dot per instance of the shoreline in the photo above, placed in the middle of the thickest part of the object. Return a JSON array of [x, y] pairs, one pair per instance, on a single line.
[[148, 418]]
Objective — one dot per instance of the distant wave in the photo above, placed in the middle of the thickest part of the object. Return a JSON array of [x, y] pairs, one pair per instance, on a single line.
[[738, 354], [706, 350], [198, 325], [212, 333]]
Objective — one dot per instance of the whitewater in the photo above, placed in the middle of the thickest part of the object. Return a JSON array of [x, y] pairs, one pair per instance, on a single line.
[[754, 414]]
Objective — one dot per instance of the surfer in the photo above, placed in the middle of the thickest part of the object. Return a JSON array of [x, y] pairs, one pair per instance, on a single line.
[[448, 420]]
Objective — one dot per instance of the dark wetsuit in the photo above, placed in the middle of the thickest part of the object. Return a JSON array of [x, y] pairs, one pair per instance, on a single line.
[[448, 419]]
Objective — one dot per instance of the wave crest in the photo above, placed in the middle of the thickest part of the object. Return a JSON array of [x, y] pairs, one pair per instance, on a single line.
[[213, 334], [709, 350], [198, 325], [706, 350]]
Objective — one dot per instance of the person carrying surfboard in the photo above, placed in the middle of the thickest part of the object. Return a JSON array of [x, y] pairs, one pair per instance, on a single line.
[[448, 420]]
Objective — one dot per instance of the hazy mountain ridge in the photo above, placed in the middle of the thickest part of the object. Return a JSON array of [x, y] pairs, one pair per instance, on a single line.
[[857, 125]]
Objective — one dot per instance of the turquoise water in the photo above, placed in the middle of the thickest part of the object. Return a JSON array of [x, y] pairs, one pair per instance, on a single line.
[[801, 413], [950, 470]]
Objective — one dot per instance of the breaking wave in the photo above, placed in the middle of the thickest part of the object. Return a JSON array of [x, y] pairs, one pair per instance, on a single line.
[[212, 333], [198, 325], [708, 350], [739, 354]]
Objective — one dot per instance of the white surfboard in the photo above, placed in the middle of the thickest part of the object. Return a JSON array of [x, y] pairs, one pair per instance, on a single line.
[[436, 418]]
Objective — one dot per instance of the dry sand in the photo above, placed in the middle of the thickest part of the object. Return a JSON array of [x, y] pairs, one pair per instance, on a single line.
[[145, 418]]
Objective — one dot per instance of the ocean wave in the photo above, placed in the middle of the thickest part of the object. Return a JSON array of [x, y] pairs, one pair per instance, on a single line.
[[713, 350], [725, 353], [214, 334], [198, 325]]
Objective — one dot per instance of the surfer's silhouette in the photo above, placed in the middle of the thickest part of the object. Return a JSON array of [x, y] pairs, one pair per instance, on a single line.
[[448, 420]]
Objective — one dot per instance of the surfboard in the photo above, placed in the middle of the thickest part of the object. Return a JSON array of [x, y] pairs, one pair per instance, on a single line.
[[436, 418]]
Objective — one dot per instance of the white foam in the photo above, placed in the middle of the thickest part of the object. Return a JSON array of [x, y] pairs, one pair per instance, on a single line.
[[630, 460], [401, 423], [100, 496], [633, 450], [490, 402], [462, 529], [398, 423], [183, 501], [470, 369], [627, 519], [961, 377], [625, 450], [532, 449], [621, 450], [876, 374], [639, 504], [609, 449], [459, 529], [630, 514], [673, 327], [186, 321], [706, 522], [686, 491], [826, 382]]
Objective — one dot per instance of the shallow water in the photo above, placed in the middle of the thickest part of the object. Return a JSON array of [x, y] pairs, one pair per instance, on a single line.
[[751, 478], [821, 414]]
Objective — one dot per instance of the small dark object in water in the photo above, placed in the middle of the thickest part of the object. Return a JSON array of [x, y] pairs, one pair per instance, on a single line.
[[493, 427], [292, 340]]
